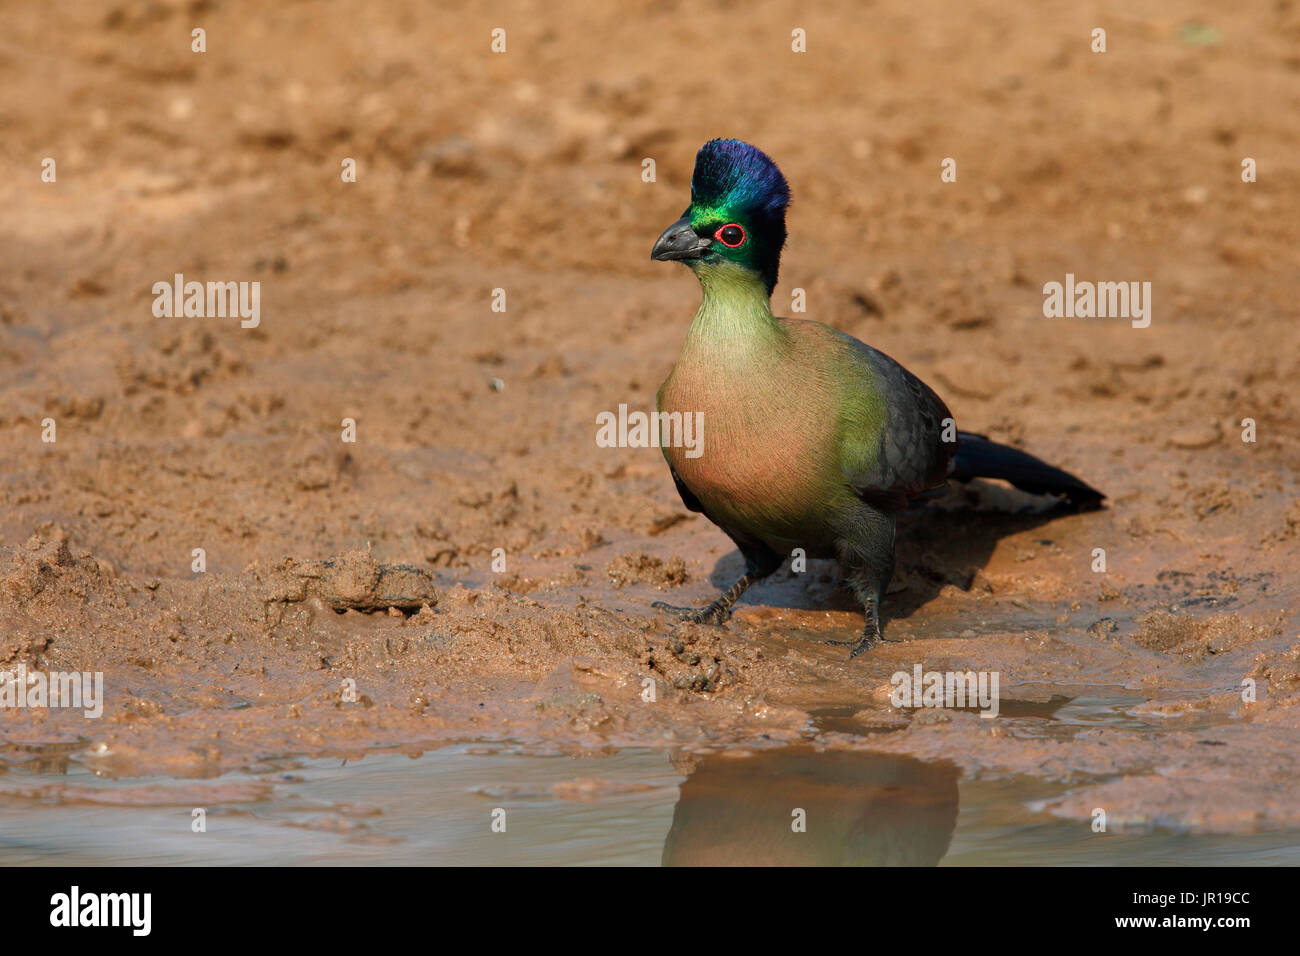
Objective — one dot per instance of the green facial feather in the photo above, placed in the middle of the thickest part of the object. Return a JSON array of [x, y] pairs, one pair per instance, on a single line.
[[735, 183]]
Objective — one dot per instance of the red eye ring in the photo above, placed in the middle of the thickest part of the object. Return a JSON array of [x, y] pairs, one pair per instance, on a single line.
[[731, 245]]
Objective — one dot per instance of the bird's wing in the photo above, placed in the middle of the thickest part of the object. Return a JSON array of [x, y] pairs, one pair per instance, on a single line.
[[894, 430]]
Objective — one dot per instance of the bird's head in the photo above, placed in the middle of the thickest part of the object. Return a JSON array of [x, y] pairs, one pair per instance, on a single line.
[[736, 218]]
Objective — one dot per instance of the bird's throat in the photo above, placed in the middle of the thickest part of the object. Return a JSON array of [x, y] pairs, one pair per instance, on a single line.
[[735, 314]]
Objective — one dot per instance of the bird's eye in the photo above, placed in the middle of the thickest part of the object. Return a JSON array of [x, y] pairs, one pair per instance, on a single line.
[[730, 235]]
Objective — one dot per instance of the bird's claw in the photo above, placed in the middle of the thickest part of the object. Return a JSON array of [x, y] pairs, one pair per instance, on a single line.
[[869, 639], [696, 615]]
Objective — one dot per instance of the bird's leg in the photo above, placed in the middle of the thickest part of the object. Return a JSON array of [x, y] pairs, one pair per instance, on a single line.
[[870, 563], [720, 610]]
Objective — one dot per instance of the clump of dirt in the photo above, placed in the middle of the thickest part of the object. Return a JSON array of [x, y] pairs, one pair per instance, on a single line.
[[46, 582], [182, 362], [641, 568], [1195, 637], [1291, 520], [354, 580], [1281, 670], [40, 563], [693, 658]]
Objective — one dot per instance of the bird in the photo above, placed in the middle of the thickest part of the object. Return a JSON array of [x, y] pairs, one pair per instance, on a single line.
[[812, 439]]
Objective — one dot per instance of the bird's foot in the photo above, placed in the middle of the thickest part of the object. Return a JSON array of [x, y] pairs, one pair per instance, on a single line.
[[715, 614], [870, 637]]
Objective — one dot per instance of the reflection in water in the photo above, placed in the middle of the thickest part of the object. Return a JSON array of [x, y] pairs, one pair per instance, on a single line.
[[861, 809]]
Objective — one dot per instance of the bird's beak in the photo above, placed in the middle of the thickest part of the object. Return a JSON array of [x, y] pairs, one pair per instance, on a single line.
[[679, 241]]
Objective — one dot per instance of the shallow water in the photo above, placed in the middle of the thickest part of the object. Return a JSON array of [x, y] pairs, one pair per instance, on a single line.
[[632, 808]]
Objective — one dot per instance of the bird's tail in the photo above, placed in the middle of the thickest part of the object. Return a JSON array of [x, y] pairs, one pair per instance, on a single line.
[[978, 457]]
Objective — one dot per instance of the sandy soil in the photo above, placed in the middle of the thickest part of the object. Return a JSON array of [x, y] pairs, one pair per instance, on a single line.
[[475, 429]]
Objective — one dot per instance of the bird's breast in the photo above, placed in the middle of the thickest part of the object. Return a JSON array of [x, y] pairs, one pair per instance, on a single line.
[[764, 453]]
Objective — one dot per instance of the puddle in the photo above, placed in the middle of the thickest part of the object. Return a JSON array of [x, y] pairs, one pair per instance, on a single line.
[[1115, 707], [781, 806], [996, 826], [842, 718], [383, 808], [1043, 711], [632, 808]]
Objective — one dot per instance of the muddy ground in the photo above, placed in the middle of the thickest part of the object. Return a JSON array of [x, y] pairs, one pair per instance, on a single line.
[[475, 430]]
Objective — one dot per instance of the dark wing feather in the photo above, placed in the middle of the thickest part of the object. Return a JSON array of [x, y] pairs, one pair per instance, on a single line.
[[902, 452]]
